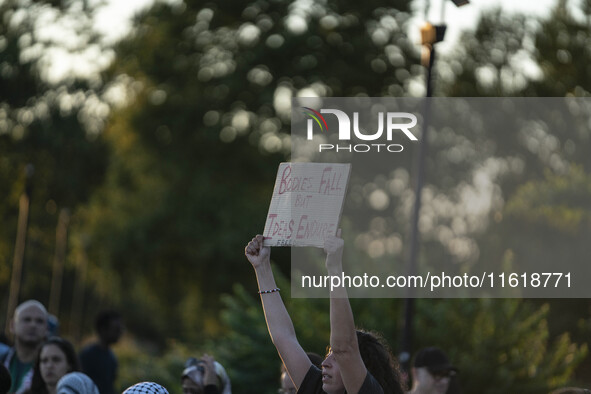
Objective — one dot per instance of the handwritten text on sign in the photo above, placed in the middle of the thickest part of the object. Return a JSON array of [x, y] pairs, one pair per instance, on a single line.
[[307, 203]]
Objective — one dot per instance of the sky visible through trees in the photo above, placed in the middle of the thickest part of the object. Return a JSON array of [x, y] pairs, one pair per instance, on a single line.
[[163, 163]]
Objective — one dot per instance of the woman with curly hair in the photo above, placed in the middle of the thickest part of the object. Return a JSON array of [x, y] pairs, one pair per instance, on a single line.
[[358, 362]]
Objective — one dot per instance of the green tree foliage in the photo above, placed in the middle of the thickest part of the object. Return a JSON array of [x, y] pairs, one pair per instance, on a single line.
[[49, 123], [254, 364], [186, 162], [499, 345], [494, 61], [545, 218], [487, 61], [559, 203], [562, 51], [553, 214], [519, 55], [200, 138], [140, 362]]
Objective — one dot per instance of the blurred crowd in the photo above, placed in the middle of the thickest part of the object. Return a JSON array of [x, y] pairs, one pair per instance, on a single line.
[[39, 361]]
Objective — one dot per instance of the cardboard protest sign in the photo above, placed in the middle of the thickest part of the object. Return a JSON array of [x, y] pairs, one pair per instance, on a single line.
[[307, 203]]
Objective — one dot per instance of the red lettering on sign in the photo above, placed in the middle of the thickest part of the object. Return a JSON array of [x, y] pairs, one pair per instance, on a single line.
[[293, 184], [330, 182], [308, 229], [271, 217]]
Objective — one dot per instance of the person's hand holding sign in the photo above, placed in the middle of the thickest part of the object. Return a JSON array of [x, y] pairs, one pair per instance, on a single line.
[[210, 376], [278, 321], [256, 253], [299, 215], [333, 246]]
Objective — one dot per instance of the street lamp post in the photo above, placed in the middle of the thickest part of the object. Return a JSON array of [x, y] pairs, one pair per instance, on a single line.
[[430, 35]]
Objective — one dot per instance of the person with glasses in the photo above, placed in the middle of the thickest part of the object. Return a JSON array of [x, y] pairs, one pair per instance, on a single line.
[[431, 372], [358, 362]]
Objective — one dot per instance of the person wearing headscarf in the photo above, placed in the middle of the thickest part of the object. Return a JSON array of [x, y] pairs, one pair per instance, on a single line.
[[205, 376], [146, 388], [76, 383]]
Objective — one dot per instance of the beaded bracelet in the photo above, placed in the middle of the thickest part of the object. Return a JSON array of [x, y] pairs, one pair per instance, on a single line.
[[269, 291]]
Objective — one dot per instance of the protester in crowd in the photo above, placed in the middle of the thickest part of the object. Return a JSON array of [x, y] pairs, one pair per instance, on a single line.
[[5, 380], [98, 360], [431, 372], [29, 327], [56, 358], [287, 386], [358, 361], [205, 376], [145, 388], [76, 383]]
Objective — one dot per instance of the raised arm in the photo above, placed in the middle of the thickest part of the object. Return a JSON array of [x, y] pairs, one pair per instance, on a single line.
[[278, 321], [343, 337]]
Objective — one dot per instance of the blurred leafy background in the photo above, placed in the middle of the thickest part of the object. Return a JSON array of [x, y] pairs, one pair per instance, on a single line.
[[163, 163]]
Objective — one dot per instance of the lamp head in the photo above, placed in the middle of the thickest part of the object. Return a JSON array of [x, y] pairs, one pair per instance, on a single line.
[[460, 3], [432, 34]]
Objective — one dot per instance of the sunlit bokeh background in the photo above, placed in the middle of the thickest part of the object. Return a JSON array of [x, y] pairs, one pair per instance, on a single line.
[[139, 142]]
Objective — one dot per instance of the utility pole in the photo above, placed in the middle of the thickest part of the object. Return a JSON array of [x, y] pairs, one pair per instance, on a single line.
[[430, 35], [19, 246]]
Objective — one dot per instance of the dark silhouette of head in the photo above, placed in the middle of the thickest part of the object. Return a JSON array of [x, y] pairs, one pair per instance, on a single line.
[[109, 326]]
